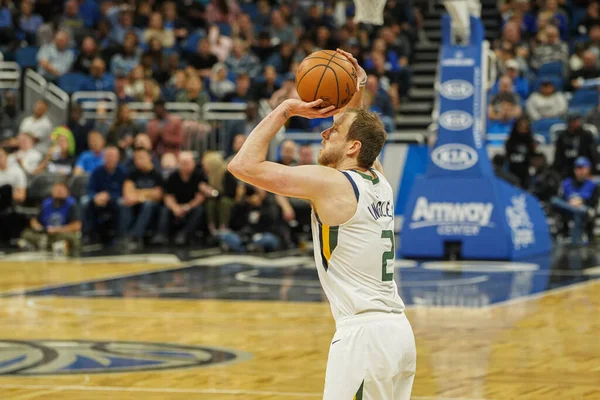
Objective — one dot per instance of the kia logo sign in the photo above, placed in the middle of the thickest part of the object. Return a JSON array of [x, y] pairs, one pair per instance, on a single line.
[[454, 157], [456, 89], [456, 120]]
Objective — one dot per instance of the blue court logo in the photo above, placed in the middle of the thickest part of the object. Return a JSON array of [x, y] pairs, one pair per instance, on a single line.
[[63, 357], [456, 89], [454, 156], [456, 120]]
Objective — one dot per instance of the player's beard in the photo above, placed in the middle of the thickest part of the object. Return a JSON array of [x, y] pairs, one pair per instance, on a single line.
[[330, 157]]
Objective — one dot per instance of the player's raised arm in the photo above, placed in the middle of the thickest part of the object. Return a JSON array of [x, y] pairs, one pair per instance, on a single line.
[[250, 164]]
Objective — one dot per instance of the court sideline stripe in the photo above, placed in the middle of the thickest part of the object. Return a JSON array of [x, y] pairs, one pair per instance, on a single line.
[[196, 391]]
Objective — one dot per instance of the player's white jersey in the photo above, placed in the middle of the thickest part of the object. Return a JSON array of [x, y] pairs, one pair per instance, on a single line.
[[355, 260]]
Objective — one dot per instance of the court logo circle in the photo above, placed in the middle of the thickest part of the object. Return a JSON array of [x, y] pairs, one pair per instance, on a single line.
[[64, 357]]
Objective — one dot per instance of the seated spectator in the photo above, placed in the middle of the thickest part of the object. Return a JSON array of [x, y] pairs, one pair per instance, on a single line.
[[122, 22], [264, 89], [123, 130], [550, 50], [72, 22], [142, 195], [183, 203], [544, 182], [13, 183], [592, 17], [282, 60], [135, 85], [29, 22], [263, 48], [576, 60], [499, 165], [140, 141], [217, 213], [156, 30], [203, 60], [168, 165], [165, 130], [38, 125], [240, 60], [574, 142], [287, 153], [242, 90], [89, 160], [511, 33], [87, 54], [280, 29], [557, 16], [520, 84], [193, 93], [578, 201], [122, 63], [61, 156], [55, 59], [594, 42], [10, 117], [105, 187], [519, 148], [100, 80], [505, 106], [27, 157], [588, 71], [380, 102], [80, 129], [547, 103], [220, 85], [253, 224], [59, 220], [173, 22]]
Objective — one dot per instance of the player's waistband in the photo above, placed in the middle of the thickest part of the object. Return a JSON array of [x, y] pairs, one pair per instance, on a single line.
[[362, 319]]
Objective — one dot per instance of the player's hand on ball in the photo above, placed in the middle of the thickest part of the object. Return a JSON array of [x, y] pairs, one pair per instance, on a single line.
[[299, 108], [360, 71]]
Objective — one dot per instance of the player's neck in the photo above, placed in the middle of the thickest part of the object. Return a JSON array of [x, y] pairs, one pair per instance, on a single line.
[[349, 164]]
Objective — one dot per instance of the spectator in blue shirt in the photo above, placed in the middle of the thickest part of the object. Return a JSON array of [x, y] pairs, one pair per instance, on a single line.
[[100, 81], [104, 191], [29, 23], [122, 63], [55, 59], [578, 201], [7, 34], [89, 160]]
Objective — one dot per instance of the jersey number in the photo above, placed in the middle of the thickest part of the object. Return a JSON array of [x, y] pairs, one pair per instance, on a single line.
[[388, 255]]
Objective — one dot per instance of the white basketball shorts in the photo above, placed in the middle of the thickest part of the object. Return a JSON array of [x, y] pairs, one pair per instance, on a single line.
[[372, 357]]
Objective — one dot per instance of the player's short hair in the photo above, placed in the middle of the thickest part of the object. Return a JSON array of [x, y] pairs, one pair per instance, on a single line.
[[368, 129]]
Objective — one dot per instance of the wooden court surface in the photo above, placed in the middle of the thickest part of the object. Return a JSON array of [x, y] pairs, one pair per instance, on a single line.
[[544, 347]]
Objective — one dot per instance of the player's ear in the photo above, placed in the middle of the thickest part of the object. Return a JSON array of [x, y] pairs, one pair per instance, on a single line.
[[354, 148]]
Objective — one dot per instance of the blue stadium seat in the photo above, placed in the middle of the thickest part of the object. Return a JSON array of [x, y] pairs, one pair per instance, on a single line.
[[225, 29], [249, 8], [191, 44], [542, 127], [26, 57], [557, 81], [588, 97], [73, 82], [551, 68]]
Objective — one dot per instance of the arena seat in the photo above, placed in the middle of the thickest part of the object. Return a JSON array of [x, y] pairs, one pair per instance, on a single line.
[[26, 57], [542, 127], [73, 82], [78, 185], [551, 68]]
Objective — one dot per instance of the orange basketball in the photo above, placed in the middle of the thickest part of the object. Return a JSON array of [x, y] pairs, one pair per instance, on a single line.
[[326, 75]]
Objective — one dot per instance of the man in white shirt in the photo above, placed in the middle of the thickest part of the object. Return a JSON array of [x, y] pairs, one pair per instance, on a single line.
[[27, 157], [13, 183], [39, 126], [55, 59]]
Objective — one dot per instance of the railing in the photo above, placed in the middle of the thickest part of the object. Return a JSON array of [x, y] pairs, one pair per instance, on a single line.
[[97, 105], [37, 88], [10, 75], [226, 120], [34, 90]]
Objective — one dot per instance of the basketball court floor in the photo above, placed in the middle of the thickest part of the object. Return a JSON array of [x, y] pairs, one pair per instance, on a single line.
[[210, 326]]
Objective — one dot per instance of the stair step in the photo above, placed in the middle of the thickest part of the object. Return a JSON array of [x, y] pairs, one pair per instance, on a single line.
[[421, 94], [427, 47], [413, 121], [416, 107], [485, 13], [426, 67], [421, 57], [424, 80], [434, 23]]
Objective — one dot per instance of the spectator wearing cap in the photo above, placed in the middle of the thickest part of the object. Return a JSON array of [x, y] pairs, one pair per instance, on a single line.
[[87, 54], [504, 106], [165, 130], [242, 90], [546, 103], [202, 60], [577, 201], [122, 63], [282, 60], [262, 46], [550, 50], [512, 69], [39, 125], [55, 59], [240, 60], [588, 71], [573, 142], [27, 157]]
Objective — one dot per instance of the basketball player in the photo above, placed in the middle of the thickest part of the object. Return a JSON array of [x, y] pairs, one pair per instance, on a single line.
[[372, 354]]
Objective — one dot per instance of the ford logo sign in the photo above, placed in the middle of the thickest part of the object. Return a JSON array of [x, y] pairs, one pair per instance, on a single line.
[[454, 157], [456, 89], [456, 120]]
